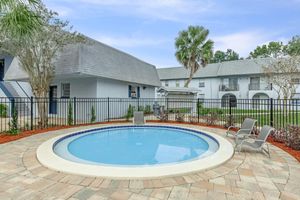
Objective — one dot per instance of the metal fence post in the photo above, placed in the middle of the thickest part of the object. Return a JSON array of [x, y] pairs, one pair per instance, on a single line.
[[167, 104], [230, 107], [108, 109], [74, 106], [138, 104], [31, 113], [271, 112], [198, 109], [13, 105]]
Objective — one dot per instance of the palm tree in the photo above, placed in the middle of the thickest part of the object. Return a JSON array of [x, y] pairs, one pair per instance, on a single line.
[[193, 49], [18, 17]]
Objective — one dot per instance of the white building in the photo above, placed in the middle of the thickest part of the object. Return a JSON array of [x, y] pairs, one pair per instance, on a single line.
[[241, 79], [89, 70]]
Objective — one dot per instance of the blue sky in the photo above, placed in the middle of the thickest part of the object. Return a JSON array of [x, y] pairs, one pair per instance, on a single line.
[[147, 28]]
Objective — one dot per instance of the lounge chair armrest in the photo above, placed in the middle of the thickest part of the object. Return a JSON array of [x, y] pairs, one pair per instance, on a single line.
[[231, 127]]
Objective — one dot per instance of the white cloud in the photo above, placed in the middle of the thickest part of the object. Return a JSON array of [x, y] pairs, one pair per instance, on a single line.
[[131, 41], [174, 10], [242, 42], [62, 11]]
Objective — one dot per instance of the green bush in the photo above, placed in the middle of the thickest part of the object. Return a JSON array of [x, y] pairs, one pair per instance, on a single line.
[[129, 112], [70, 114], [13, 124], [93, 113], [3, 110], [147, 109], [141, 108]]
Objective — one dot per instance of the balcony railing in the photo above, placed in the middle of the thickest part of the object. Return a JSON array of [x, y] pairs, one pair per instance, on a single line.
[[228, 87], [259, 86]]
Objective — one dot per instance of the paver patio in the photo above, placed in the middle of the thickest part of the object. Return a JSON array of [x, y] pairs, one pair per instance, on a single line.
[[246, 176]]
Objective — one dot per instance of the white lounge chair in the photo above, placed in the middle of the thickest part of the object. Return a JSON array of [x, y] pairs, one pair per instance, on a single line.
[[256, 143], [138, 118], [244, 131]]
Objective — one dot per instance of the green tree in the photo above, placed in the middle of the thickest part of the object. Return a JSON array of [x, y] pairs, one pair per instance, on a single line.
[[18, 17], [193, 49], [37, 52], [221, 56], [293, 46], [260, 51], [232, 55], [272, 49]]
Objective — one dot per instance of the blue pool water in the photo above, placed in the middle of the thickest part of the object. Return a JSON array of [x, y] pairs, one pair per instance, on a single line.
[[145, 145]]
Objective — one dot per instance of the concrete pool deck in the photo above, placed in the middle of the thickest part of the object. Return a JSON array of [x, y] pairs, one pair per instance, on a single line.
[[247, 175]]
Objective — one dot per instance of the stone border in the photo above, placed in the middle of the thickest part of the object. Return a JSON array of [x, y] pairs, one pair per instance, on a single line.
[[48, 158]]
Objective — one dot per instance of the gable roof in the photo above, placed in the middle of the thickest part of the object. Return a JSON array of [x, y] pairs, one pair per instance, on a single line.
[[94, 58], [229, 68]]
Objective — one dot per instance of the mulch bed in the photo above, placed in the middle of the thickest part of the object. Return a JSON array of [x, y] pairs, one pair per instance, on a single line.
[[4, 138], [294, 153]]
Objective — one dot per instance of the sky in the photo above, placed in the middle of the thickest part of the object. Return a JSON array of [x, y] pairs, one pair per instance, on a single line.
[[147, 29]]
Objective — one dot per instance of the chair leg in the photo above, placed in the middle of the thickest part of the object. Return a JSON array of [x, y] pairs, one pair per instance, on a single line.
[[268, 149]]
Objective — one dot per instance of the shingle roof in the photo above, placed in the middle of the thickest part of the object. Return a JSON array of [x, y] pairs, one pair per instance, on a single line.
[[97, 59], [229, 68], [178, 89]]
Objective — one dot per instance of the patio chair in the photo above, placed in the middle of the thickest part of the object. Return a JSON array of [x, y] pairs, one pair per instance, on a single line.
[[138, 118], [256, 143], [245, 130]]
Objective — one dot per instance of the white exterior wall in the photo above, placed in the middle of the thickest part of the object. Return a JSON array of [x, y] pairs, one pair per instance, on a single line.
[[119, 89], [211, 89], [102, 89], [79, 87]]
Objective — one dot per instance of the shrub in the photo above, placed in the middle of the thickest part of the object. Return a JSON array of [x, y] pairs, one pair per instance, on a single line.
[[93, 115], [280, 135], [147, 109], [212, 118], [70, 114], [129, 112], [230, 121], [3, 110], [199, 107], [141, 108], [294, 137], [179, 117], [13, 124]]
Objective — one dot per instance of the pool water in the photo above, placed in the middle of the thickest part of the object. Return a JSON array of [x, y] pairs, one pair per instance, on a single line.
[[130, 146]]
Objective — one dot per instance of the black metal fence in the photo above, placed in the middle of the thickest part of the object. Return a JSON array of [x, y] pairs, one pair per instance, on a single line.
[[79, 111]]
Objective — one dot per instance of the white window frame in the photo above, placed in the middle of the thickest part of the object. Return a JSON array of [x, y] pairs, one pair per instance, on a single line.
[[64, 94], [201, 84]]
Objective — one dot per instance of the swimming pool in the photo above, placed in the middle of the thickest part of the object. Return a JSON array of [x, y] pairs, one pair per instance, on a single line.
[[136, 145], [149, 151]]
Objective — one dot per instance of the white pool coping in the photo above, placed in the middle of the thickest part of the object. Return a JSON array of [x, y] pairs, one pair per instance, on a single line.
[[48, 158]]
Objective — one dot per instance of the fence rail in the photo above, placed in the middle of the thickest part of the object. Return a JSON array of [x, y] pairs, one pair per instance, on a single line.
[[79, 111]]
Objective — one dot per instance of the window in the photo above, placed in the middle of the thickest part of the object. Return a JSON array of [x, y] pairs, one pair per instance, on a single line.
[[201, 84], [133, 91], [167, 83], [177, 83], [65, 90], [296, 81]]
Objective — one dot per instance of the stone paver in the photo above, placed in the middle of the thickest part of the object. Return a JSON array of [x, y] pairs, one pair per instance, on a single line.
[[248, 175]]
